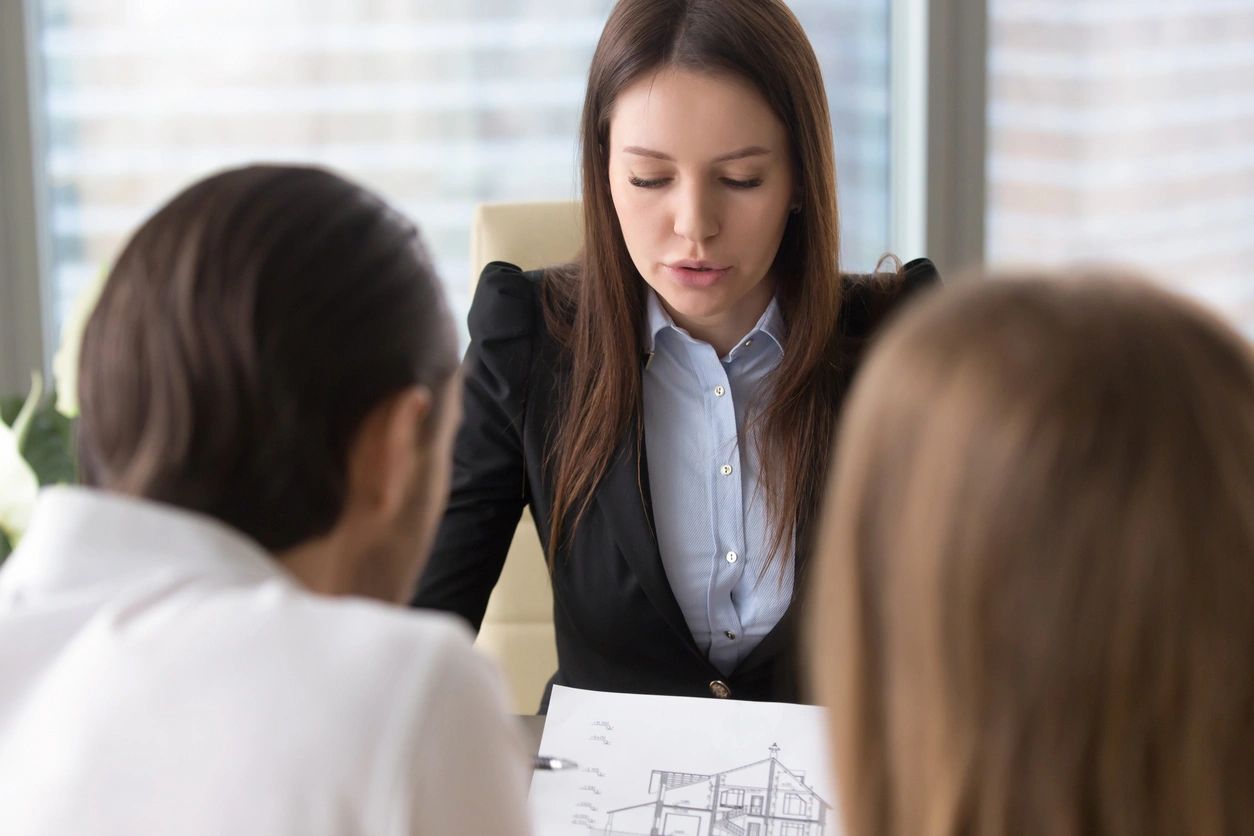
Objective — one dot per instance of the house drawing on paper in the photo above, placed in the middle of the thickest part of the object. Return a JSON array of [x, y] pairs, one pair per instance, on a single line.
[[764, 798]]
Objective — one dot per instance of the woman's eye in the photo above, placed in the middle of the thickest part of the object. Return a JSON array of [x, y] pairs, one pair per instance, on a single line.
[[751, 183], [646, 183]]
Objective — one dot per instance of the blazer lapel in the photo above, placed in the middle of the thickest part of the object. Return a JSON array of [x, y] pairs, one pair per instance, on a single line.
[[624, 499]]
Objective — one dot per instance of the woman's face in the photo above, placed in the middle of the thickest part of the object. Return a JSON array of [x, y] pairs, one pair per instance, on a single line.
[[702, 182]]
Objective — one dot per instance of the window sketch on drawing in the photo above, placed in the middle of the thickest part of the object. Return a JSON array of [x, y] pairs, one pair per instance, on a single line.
[[764, 798]]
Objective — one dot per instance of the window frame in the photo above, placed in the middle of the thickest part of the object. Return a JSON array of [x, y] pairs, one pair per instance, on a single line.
[[939, 61], [25, 257]]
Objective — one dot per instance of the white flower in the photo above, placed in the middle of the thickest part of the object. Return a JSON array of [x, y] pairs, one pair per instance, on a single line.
[[65, 362], [18, 485]]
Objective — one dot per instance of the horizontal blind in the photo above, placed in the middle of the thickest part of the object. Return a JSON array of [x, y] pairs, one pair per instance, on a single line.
[[1124, 131]]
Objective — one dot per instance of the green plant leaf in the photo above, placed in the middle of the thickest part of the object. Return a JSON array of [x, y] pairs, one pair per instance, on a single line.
[[9, 408], [49, 445], [49, 448]]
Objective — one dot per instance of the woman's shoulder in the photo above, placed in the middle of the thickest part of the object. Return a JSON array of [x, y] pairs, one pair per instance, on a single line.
[[510, 302], [506, 302], [869, 299]]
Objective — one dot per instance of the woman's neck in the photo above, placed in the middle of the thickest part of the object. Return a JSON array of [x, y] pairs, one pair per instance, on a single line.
[[726, 329]]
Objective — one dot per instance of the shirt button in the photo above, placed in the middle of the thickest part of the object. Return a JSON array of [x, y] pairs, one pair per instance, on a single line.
[[732, 557], [748, 342], [719, 391], [729, 634], [720, 689], [726, 470]]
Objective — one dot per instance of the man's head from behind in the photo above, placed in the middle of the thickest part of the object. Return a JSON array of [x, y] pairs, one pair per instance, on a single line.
[[272, 349]]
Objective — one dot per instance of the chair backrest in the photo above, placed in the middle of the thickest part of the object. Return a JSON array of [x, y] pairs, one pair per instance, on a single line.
[[530, 235], [517, 628]]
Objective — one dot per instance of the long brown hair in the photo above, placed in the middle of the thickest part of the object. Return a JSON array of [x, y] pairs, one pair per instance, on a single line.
[[244, 333], [596, 307], [1035, 603]]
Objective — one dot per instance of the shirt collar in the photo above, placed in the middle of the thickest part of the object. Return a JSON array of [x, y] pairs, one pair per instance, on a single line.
[[80, 537], [657, 320]]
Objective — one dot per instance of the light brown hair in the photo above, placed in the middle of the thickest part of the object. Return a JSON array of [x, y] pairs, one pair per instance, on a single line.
[[1034, 610], [596, 307]]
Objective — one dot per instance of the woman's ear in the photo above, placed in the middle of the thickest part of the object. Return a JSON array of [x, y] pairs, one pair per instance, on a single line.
[[388, 452]]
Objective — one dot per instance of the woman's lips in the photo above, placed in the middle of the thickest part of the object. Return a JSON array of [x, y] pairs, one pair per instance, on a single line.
[[696, 277]]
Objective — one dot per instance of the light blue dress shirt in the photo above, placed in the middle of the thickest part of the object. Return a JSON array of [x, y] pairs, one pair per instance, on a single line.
[[711, 518]]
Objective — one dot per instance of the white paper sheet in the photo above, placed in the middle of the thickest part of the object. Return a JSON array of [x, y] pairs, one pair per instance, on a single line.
[[679, 766]]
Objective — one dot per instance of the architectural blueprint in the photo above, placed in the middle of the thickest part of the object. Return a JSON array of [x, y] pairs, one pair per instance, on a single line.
[[678, 766]]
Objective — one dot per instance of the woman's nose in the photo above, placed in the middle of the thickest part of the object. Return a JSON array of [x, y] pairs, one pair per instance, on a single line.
[[696, 215]]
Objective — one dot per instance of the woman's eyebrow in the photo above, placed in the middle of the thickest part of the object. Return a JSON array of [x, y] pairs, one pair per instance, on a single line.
[[647, 152], [747, 151]]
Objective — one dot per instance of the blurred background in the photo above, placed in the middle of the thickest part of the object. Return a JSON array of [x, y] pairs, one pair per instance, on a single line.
[[974, 131]]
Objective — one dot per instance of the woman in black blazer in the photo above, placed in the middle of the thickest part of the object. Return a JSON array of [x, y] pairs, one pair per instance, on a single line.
[[706, 308]]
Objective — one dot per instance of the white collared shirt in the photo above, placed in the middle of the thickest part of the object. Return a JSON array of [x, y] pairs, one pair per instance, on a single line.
[[161, 674]]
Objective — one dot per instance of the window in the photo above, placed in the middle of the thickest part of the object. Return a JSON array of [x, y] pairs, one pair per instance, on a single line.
[[435, 105], [1125, 130], [438, 106], [1116, 130], [733, 798], [851, 38], [796, 805]]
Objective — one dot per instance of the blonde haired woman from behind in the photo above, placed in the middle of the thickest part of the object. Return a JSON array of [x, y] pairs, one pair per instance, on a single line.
[[1035, 609]]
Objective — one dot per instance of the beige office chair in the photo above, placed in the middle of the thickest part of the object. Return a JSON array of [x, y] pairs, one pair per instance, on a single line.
[[517, 628]]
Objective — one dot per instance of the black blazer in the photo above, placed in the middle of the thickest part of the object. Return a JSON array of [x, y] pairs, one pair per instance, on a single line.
[[618, 625]]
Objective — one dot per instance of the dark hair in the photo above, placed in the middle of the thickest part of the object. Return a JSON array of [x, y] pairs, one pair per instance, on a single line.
[[243, 335], [596, 307], [1033, 602]]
